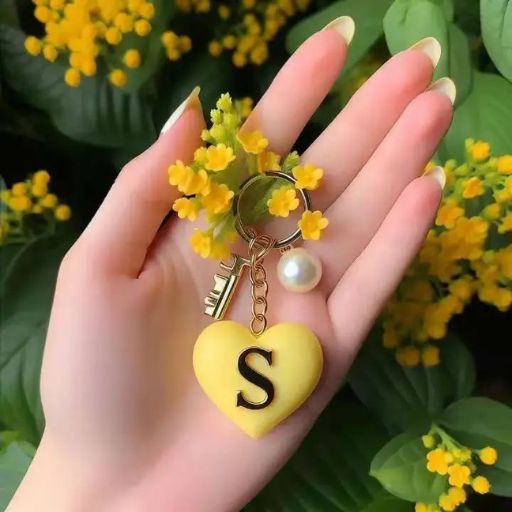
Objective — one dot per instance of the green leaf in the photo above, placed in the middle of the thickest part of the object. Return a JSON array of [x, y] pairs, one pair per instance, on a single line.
[[401, 468], [496, 19], [408, 21], [388, 504], [14, 462], [483, 115], [367, 15], [410, 398], [95, 112], [330, 469], [26, 298], [9, 13], [478, 422]]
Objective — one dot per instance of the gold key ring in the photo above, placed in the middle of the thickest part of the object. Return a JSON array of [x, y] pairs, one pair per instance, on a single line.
[[246, 233]]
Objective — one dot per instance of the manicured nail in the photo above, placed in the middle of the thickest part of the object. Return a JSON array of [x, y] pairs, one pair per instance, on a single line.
[[345, 27], [438, 174], [430, 47], [192, 100], [446, 86]]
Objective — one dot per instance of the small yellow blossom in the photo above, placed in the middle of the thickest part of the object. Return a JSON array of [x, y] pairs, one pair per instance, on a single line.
[[215, 48], [218, 199], [39, 189], [447, 503], [505, 224], [488, 455], [41, 177], [113, 36], [186, 208], [430, 356], [49, 201], [505, 164], [448, 214], [481, 485], [118, 77], [438, 461], [218, 157], [50, 53], [132, 58], [459, 475], [142, 27], [20, 203], [62, 212], [492, 211], [283, 201], [252, 142], [312, 224], [480, 151], [308, 176], [268, 161], [201, 243], [33, 45], [428, 441], [19, 189], [408, 356], [72, 77], [473, 187]]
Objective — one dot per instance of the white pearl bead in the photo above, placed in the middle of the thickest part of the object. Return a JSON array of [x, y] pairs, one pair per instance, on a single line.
[[299, 270]]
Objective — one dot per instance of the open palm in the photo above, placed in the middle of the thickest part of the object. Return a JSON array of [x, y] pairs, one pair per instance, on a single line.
[[125, 415]]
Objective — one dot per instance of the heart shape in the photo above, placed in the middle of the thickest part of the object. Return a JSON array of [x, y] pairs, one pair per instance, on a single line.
[[257, 381]]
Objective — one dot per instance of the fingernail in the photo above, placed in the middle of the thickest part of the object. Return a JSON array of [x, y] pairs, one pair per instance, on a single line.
[[345, 27], [430, 47], [192, 100], [438, 174], [446, 86]]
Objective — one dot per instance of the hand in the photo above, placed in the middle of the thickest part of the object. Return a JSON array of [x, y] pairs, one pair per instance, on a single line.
[[128, 427]]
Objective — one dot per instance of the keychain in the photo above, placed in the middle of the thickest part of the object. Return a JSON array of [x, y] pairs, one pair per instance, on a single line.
[[258, 376]]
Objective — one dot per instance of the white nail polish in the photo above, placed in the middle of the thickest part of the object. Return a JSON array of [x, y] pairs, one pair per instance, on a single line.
[[438, 174], [445, 86], [191, 100]]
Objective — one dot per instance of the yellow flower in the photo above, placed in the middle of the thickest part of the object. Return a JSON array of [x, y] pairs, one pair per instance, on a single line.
[[459, 475], [218, 199], [481, 485], [505, 224], [118, 77], [461, 288], [492, 211], [62, 212], [283, 201], [446, 503], [201, 243], [428, 441], [312, 224], [39, 189], [457, 495], [308, 176], [72, 77], [113, 36], [438, 460], [49, 201], [408, 356], [488, 455], [480, 151], [33, 45], [448, 214], [239, 59], [200, 156], [430, 356], [253, 142], [268, 161], [219, 250], [147, 10], [132, 58], [473, 188], [142, 27], [50, 53], [505, 164], [186, 208], [19, 189], [391, 339], [20, 203], [215, 48], [192, 182], [218, 157]]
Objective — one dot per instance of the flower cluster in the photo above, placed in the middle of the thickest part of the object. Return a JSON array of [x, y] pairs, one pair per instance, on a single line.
[[89, 33], [26, 200], [467, 253], [459, 465], [210, 181], [245, 27], [175, 45]]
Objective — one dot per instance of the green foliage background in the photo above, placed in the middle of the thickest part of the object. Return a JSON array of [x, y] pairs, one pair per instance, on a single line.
[[365, 453]]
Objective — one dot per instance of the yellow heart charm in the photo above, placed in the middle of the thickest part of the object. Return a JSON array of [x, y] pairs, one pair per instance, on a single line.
[[257, 381]]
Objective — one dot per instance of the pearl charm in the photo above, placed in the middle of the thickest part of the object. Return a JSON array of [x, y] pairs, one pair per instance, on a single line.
[[299, 270]]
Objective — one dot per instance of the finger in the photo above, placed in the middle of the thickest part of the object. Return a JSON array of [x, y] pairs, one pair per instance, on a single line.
[[357, 214], [349, 141], [301, 85], [124, 226], [372, 278]]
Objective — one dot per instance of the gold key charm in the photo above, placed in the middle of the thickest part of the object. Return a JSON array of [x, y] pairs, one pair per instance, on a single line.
[[217, 301]]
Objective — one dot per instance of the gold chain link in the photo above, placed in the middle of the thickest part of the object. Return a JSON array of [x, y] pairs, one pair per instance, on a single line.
[[259, 247]]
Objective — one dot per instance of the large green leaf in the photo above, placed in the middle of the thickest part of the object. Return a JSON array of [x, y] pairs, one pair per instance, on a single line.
[[401, 468], [367, 15], [95, 112], [484, 115], [496, 19], [405, 398], [25, 299], [478, 422], [14, 462], [330, 469], [388, 504], [408, 21]]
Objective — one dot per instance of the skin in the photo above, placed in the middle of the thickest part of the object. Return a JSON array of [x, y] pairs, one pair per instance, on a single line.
[[128, 427]]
